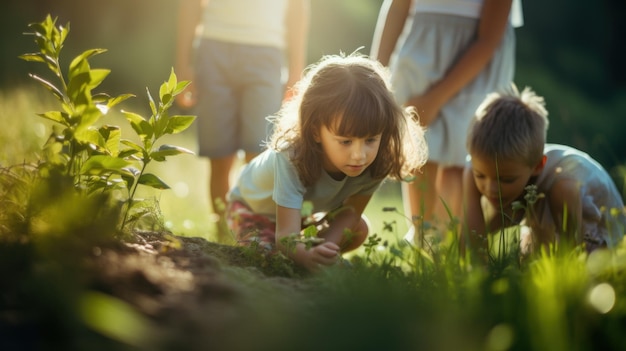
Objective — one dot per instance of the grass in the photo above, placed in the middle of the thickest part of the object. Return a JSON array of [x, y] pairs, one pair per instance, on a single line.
[[394, 297]]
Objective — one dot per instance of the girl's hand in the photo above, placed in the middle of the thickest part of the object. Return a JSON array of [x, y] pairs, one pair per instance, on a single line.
[[324, 254]]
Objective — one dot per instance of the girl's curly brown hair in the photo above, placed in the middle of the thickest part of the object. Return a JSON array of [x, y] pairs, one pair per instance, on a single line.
[[351, 96]]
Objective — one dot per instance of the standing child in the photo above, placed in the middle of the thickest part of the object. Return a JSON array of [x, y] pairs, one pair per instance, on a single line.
[[236, 74], [448, 56], [566, 196], [335, 141]]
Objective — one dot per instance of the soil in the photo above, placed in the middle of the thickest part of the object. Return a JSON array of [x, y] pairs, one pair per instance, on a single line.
[[184, 294], [197, 293]]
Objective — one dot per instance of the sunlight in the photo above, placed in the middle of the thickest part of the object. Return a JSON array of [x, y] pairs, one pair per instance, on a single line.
[[39, 129], [189, 224], [181, 189], [500, 337], [602, 297]]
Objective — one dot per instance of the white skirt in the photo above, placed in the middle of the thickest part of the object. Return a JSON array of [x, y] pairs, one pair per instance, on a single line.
[[434, 43]]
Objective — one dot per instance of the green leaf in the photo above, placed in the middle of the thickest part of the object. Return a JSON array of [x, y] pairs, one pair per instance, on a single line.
[[177, 124], [160, 124], [91, 137], [310, 232], [78, 89], [116, 100], [129, 174], [152, 105], [83, 82], [100, 164], [163, 90], [132, 145], [64, 32], [48, 86], [96, 76], [169, 150], [141, 126], [166, 99], [112, 136], [151, 180], [125, 154], [180, 87], [80, 63], [167, 88], [78, 66], [88, 117], [307, 209], [32, 57], [56, 116]]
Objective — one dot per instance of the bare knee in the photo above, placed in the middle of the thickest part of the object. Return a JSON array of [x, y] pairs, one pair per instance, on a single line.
[[356, 236]]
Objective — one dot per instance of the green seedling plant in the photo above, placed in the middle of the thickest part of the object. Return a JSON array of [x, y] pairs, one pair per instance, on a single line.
[[96, 158]]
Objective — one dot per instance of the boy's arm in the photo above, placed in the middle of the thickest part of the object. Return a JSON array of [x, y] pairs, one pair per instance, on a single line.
[[566, 207], [297, 23], [473, 223], [491, 28], [389, 26], [288, 222]]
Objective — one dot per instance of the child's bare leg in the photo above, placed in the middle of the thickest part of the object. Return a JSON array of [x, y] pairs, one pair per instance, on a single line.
[[357, 236], [350, 238], [219, 182], [419, 196], [449, 185]]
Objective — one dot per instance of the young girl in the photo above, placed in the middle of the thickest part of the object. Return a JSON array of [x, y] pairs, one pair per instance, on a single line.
[[334, 142], [567, 196]]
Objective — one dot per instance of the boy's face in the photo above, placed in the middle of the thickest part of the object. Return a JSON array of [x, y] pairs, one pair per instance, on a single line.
[[347, 155], [503, 182]]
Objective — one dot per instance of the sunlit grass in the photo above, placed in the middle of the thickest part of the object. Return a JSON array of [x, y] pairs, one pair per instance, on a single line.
[[22, 133]]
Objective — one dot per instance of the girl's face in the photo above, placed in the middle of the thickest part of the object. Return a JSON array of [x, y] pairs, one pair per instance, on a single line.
[[346, 156], [504, 182]]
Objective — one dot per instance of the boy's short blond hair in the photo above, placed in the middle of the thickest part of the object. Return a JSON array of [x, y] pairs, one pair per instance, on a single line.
[[510, 125]]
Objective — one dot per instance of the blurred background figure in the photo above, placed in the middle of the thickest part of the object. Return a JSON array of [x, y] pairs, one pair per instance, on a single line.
[[234, 51], [445, 57]]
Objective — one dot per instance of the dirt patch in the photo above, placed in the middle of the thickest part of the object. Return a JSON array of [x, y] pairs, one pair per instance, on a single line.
[[196, 293]]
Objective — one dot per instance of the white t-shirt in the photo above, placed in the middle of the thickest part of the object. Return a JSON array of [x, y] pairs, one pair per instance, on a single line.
[[271, 179], [598, 191], [252, 22]]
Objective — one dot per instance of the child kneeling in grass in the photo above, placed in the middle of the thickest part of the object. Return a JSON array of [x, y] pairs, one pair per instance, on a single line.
[[557, 192], [333, 143]]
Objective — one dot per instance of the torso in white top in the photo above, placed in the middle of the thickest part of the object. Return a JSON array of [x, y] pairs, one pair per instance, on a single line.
[[465, 8], [253, 22]]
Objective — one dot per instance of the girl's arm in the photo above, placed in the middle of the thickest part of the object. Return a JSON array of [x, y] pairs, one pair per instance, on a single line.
[[288, 222], [297, 23], [189, 15], [389, 26], [473, 224], [492, 25]]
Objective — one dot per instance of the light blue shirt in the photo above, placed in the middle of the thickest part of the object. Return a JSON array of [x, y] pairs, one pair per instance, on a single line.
[[271, 179]]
